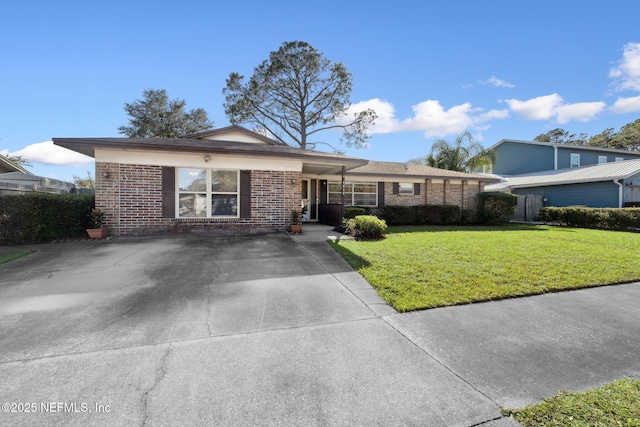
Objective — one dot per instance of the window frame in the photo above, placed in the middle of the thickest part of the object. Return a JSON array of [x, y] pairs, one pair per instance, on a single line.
[[619, 159], [601, 158], [209, 193], [409, 185], [350, 194], [571, 162]]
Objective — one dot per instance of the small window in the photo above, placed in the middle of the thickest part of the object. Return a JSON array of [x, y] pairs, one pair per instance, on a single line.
[[575, 160], [602, 159], [487, 168], [619, 159], [405, 188]]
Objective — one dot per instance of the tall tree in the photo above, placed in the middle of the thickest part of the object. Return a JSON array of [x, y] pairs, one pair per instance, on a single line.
[[603, 139], [463, 155], [629, 137], [561, 136], [157, 117], [295, 94]]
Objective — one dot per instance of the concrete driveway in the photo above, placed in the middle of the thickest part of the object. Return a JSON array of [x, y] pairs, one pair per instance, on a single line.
[[270, 330]]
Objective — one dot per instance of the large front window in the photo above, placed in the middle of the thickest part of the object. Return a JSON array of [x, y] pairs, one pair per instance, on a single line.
[[205, 193], [355, 193]]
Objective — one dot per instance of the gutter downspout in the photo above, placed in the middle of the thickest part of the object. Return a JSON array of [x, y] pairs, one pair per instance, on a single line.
[[620, 189], [555, 157]]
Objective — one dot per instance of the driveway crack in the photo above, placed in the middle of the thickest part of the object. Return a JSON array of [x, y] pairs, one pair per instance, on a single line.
[[161, 372], [209, 310]]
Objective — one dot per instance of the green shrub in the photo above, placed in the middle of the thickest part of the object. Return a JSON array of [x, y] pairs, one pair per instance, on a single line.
[[36, 218], [399, 215], [366, 226], [606, 218], [352, 212], [426, 215], [495, 206]]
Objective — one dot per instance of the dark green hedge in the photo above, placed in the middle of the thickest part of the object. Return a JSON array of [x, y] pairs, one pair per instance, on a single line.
[[608, 218], [354, 211], [495, 206], [37, 218], [427, 215]]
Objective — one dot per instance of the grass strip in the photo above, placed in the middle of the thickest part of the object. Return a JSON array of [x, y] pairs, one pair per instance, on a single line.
[[424, 267], [15, 255], [615, 404]]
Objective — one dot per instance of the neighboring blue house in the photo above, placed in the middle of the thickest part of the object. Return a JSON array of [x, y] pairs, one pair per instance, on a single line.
[[566, 175], [520, 157]]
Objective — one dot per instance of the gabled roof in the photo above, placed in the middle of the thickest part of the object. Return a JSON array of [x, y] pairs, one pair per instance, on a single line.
[[217, 134], [595, 173], [9, 166], [314, 160], [567, 146], [414, 170]]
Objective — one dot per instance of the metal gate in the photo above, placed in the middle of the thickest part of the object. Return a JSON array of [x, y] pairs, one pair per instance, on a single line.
[[527, 208]]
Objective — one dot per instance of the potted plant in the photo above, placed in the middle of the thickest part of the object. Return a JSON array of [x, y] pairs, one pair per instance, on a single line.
[[96, 218], [296, 221]]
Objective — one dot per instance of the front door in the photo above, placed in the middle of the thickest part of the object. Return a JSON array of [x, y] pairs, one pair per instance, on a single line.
[[306, 199]]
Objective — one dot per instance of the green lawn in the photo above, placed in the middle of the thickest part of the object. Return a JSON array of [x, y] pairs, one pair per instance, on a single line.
[[423, 267], [614, 404], [14, 255]]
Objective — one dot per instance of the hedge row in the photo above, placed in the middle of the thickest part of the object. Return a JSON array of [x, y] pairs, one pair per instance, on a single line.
[[37, 218], [607, 218], [427, 215]]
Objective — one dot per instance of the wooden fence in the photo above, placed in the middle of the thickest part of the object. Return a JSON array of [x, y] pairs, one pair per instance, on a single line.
[[527, 208]]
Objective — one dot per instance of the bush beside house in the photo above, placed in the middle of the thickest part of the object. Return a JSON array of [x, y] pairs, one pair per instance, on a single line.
[[626, 219], [365, 226], [37, 218]]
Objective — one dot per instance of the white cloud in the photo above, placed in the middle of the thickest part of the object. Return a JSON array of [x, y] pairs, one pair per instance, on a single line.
[[627, 72], [552, 106], [386, 121], [540, 108], [580, 111], [50, 154], [429, 117], [494, 81], [626, 105]]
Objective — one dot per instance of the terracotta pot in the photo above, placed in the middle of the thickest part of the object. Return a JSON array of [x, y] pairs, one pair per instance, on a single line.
[[296, 228], [97, 233]]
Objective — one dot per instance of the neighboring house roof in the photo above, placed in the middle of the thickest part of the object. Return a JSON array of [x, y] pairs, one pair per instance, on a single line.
[[595, 173], [7, 165], [414, 170], [567, 146]]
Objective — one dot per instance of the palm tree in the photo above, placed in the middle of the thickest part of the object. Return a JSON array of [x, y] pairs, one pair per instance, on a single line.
[[463, 155]]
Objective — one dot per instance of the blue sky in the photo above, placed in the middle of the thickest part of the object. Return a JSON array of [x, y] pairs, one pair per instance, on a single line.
[[431, 69]]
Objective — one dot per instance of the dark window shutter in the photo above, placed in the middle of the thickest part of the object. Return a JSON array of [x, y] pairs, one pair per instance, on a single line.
[[380, 194], [396, 188], [168, 192], [416, 188], [245, 194], [323, 192]]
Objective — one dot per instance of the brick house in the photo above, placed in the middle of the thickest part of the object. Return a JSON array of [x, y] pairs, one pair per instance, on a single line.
[[234, 180]]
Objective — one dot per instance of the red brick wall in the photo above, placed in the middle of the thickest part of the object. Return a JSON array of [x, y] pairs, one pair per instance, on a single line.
[[131, 196], [463, 194]]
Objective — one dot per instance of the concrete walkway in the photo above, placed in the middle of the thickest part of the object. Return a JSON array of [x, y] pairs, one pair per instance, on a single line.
[[279, 330]]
